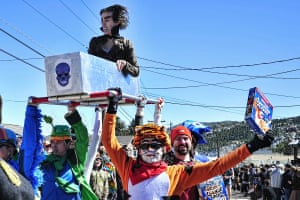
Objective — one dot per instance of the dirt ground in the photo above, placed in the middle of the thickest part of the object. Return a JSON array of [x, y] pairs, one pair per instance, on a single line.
[[269, 158]]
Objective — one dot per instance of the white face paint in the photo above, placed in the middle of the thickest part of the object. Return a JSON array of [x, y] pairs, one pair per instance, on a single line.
[[151, 156], [151, 151]]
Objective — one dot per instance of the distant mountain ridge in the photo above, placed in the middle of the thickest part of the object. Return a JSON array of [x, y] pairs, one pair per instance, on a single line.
[[232, 132]]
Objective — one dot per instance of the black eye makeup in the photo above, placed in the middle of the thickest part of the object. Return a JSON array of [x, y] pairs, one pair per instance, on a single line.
[[153, 145]]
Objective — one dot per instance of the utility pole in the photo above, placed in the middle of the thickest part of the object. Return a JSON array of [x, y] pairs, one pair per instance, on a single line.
[[218, 145], [170, 126], [0, 109]]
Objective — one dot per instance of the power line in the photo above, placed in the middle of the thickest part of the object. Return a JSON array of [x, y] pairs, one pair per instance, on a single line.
[[271, 76], [10, 60], [27, 63], [23, 34], [207, 84], [178, 67], [21, 42], [69, 9], [96, 17], [176, 101], [204, 84], [49, 20], [126, 114], [204, 69], [228, 107], [210, 84]]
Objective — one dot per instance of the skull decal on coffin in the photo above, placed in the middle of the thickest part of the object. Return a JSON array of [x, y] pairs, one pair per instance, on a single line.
[[63, 74]]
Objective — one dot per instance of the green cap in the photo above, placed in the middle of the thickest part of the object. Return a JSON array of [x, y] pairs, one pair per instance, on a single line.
[[60, 132]]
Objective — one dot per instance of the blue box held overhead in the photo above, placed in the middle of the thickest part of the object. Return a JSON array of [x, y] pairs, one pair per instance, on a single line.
[[82, 73]]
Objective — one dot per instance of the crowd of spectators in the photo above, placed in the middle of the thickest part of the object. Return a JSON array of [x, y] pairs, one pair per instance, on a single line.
[[275, 181]]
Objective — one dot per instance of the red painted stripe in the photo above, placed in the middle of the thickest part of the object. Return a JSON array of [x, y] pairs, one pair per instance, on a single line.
[[3, 135]]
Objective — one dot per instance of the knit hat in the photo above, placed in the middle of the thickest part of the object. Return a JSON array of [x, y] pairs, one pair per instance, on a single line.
[[7, 136], [151, 131], [180, 130], [61, 132]]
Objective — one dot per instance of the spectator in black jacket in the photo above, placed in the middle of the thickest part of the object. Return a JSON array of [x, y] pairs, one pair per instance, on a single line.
[[268, 192], [295, 184], [286, 181]]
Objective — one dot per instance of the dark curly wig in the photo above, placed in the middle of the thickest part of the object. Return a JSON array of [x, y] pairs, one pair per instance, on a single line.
[[119, 14]]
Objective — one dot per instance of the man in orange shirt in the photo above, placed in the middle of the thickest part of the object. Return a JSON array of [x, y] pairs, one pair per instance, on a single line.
[[148, 177]]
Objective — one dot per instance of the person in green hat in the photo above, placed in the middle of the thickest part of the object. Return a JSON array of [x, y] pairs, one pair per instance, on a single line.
[[63, 169]]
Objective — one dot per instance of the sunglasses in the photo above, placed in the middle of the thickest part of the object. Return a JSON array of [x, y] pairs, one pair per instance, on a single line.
[[98, 159], [153, 145]]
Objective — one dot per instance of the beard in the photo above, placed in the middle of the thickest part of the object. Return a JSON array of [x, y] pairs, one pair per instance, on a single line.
[[182, 150]]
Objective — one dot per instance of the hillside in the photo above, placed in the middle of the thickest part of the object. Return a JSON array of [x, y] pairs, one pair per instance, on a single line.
[[232, 133]]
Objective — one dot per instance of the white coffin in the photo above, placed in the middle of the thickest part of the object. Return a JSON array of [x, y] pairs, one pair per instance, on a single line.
[[82, 73]]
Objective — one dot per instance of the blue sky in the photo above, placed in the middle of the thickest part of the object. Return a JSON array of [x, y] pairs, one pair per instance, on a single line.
[[225, 42]]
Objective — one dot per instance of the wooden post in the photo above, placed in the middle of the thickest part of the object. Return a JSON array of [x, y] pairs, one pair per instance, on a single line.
[[0, 109]]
